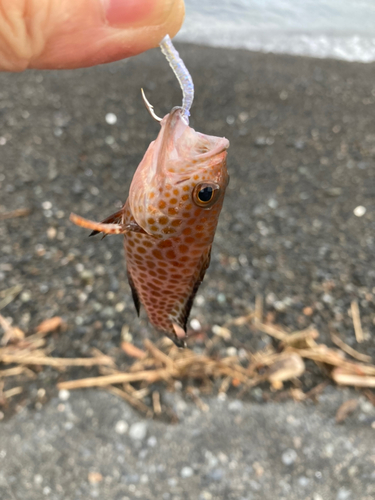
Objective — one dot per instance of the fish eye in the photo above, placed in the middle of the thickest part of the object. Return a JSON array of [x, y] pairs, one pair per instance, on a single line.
[[205, 194]]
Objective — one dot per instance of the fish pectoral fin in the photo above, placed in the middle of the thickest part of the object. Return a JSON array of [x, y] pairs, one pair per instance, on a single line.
[[98, 227], [111, 225], [115, 218]]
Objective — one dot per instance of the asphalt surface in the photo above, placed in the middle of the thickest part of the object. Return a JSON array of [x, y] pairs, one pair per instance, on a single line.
[[301, 162]]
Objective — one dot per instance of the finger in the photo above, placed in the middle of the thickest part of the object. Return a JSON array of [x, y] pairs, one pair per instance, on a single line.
[[62, 34]]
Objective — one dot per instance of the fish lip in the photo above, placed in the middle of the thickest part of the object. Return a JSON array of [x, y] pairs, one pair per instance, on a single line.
[[221, 145]]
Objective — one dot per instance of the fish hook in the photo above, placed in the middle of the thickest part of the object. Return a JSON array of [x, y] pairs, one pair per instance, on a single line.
[[183, 76], [150, 107]]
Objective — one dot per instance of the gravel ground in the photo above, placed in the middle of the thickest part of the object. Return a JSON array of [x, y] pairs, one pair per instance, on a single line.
[[301, 163], [93, 446]]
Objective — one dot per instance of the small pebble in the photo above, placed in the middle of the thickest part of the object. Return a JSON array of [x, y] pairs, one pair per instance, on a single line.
[[25, 296], [119, 307], [51, 233], [235, 406], [46, 205], [94, 477], [110, 118], [343, 494], [221, 298], [64, 395], [138, 431], [109, 140], [195, 324], [152, 441], [38, 479], [359, 211], [289, 457], [121, 427], [186, 472]]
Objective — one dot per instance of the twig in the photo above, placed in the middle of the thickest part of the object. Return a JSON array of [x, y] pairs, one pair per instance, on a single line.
[[349, 350], [41, 359], [158, 354], [9, 295], [138, 405], [301, 336], [270, 330], [19, 212], [345, 410], [342, 377], [148, 375], [357, 321], [12, 392], [156, 402], [197, 400], [12, 372]]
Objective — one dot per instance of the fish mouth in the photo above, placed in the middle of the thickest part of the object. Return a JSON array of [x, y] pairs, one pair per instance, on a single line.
[[179, 137], [218, 145]]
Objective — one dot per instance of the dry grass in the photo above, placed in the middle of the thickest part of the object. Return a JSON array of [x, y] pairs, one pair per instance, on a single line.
[[165, 363]]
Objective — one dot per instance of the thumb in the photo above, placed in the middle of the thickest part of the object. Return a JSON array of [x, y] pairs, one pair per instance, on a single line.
[[63, 34]]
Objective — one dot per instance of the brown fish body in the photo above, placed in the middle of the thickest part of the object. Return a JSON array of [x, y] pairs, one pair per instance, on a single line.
[[169, 221], [166, 263]]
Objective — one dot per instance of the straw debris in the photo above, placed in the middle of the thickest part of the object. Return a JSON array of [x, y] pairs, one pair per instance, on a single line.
[[163, 363]]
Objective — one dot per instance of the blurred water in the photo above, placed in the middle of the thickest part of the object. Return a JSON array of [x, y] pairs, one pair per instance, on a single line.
[[342, 29]]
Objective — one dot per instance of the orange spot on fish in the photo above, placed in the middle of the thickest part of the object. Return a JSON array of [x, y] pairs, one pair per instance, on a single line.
[[172, 200], [183, 248], [163, 220], [185, 197], [151, 220], [157, 253], [162, 204], [170, 254], [166, 244], [186, 188]]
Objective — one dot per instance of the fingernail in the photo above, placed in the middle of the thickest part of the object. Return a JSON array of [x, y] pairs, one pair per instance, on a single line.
[[137, 12]]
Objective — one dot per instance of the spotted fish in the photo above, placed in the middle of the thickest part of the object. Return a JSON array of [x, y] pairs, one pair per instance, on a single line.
[[169, 221]]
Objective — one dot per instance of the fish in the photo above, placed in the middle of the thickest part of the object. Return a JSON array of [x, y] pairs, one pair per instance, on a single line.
[[169, 221]]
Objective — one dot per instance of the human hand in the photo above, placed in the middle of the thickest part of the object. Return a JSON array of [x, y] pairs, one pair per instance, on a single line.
[[65, 34]]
